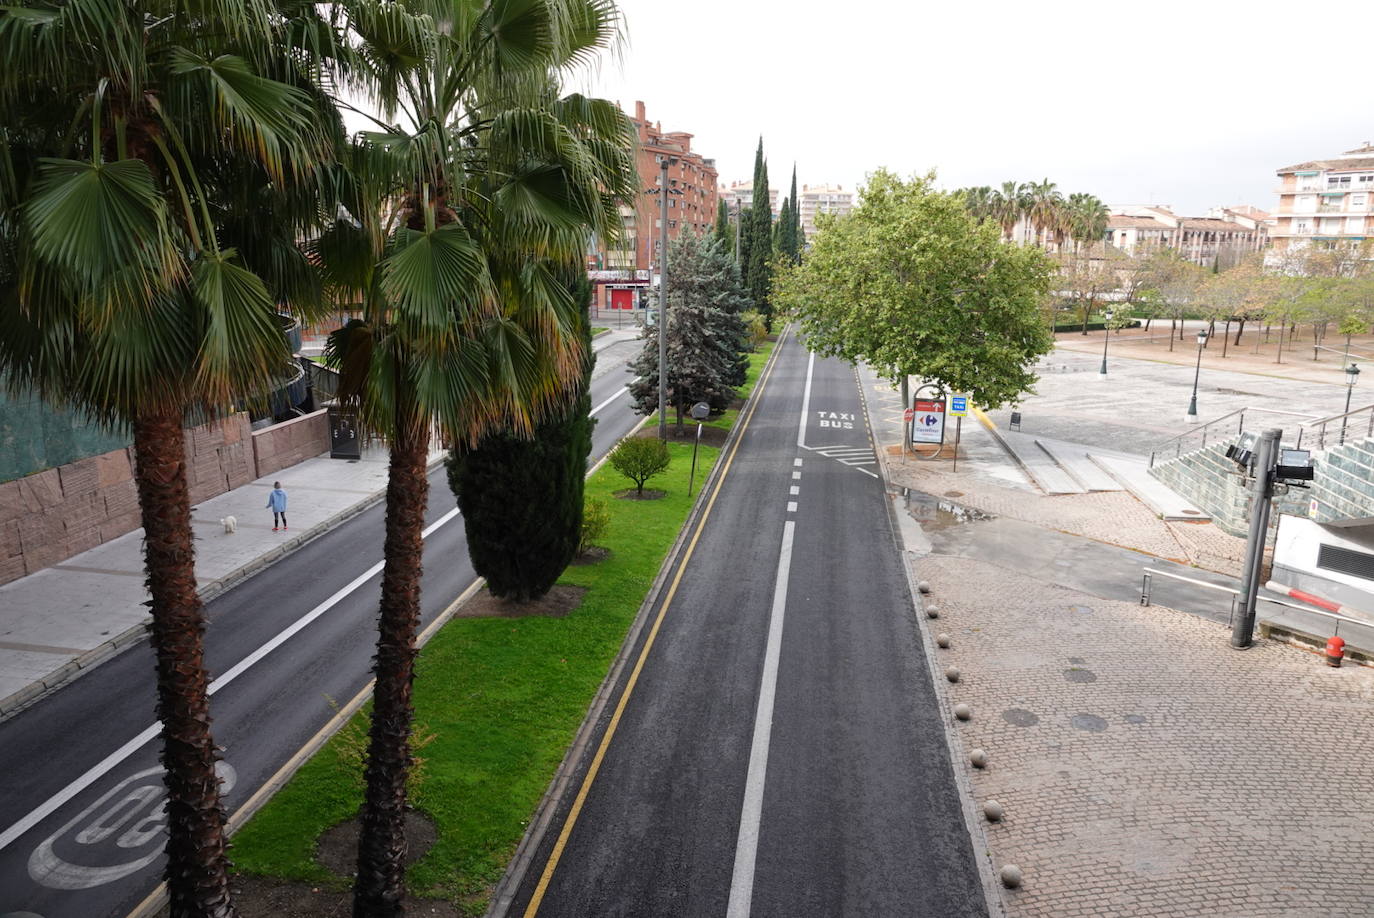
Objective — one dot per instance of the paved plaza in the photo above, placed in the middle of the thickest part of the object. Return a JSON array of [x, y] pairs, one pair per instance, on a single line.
[[1146, 769]]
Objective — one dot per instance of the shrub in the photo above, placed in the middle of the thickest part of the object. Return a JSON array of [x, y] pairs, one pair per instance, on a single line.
[[640, 459], [596, 519]]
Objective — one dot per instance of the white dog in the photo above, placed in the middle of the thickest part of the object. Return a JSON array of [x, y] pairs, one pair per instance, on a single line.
[[230, 524]]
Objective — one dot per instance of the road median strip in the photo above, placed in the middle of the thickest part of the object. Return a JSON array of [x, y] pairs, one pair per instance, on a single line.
[[505, 699]]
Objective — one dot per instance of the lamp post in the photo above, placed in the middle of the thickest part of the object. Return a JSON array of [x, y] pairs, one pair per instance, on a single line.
[[1192, 405], [663, 163], [1352, 374], [1106, 336]]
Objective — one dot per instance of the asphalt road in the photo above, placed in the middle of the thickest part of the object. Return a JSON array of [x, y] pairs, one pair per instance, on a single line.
[[81, 828], [780, 752]]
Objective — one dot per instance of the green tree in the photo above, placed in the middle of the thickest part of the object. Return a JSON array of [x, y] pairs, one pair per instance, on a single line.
[[1173, 283], [154, 175], [706, 333], [723, 231], [1087, 219], [458, 212], [797, 238], [521, 497], [639, 459], [913, 285], [758, 252]]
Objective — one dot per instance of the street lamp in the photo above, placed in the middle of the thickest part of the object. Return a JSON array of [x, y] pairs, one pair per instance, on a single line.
[[663, 163], [1192, 406], [1106, 336], [1352, 375]]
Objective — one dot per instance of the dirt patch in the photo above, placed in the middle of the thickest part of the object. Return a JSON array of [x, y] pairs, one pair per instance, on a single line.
[[556, 603], [594, 555], [288, 899], [632, 494], [337, 849]]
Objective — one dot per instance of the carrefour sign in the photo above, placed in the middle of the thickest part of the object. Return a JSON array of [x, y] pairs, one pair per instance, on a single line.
[[928, 420]]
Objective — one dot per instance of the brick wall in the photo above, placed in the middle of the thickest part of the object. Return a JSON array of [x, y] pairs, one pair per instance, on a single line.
[[49, 516], [294, 441]]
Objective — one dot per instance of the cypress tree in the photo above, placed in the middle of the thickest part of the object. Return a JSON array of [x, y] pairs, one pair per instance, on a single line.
[[797, 237], [522, 498], [758, 264], [723, 233]]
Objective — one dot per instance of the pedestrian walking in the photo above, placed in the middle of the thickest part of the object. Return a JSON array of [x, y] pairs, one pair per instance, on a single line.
[[276, 501]]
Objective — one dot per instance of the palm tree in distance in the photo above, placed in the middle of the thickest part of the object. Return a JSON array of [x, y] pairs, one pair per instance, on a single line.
[[1009, 206], [476, 188], [157, 172], [1087, 218], [1044, 207]]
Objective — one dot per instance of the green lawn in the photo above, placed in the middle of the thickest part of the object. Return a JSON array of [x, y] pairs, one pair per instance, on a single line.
[[503, 697]]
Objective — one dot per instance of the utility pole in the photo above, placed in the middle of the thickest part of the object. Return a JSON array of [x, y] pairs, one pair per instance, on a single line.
[[1261, 490], [663, 163], [739, 219]]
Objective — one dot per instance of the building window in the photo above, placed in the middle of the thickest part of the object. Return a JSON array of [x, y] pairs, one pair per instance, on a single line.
[[1358, 200], [1338, 181]]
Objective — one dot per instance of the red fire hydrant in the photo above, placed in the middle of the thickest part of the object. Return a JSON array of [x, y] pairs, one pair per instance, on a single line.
[[1335, 650]]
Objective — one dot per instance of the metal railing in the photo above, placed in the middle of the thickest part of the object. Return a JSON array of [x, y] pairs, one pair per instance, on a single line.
[[1207, 429], [1319, 427], [1147, 585], [1343, 351]]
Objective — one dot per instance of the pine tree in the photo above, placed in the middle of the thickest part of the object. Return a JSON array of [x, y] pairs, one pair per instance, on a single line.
[[706, 337], [522, 498]]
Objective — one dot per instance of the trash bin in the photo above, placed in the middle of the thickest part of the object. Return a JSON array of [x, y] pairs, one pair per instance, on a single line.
[[344, 439]]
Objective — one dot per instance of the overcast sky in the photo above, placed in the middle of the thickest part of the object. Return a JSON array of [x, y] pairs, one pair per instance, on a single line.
[[1193, 104]]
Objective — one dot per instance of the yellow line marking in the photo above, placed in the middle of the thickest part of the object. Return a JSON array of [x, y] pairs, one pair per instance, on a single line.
[[980, 415], [576, 809]]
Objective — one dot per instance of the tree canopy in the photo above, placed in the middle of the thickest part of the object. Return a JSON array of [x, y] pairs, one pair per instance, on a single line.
[[912, 284]]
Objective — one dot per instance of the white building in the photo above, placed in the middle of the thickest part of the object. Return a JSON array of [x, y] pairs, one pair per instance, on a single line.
[[1326, 200], [741, 194], [1226, 233], [822, 199]]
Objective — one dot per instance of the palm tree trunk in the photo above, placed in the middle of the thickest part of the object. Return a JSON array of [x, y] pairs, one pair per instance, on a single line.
[[197, 853], [380, 888]]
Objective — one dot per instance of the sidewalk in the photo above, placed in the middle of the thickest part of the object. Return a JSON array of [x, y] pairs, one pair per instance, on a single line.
[[1146, 770], [61, 621]]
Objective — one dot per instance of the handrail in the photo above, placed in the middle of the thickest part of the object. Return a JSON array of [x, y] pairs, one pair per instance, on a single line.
[[1320, 424], [1342, 350], [1240, 428], [1146, 586]]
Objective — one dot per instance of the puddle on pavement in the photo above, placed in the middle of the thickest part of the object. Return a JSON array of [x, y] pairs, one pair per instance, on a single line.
[[937, 513]]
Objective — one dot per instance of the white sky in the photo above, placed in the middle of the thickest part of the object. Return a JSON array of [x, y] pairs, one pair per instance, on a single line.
[[1193, 104]]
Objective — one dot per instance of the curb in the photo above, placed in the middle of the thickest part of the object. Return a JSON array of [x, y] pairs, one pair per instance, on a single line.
[[503, 895], [996, 905], [107, 650]]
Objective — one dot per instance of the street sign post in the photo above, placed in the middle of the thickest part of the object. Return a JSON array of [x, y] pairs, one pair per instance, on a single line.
[[958, 409]]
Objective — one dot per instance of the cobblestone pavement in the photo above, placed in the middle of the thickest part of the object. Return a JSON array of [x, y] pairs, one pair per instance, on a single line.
[[1147, 769]]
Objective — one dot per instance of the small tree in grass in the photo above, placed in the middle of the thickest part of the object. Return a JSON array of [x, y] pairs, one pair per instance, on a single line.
[[640, 459]]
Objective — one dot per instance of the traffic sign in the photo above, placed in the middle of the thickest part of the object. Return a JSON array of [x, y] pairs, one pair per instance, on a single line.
[[928, 420], [958, 406], [908, 415]]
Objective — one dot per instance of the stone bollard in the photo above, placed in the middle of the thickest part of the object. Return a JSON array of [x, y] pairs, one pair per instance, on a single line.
[[923, 586], [963, 711], [932, 611], [993, 811], [942, 639], [952, 673], [1011, 876], [979, 758]]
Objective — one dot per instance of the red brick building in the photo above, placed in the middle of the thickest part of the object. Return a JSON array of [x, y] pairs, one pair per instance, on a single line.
[[622, 275]]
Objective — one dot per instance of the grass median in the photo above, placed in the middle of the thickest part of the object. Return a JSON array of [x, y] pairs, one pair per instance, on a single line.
[[502, 699]]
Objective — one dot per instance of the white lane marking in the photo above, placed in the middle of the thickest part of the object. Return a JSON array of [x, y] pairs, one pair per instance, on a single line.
[[747, 844], [791, 506], [806, 401], [797, 462], [796, 476], [621, 391], [794, 490], [47, 807]]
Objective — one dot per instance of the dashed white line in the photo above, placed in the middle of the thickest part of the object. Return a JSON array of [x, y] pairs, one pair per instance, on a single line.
[[794, 490], [621, 391], [796, 476], [797, 462], [791, 506]]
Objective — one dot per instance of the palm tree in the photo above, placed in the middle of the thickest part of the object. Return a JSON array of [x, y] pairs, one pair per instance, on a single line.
[[1044, 207], [1087, 218], [134, 285], [1009, 206], [458, 213], [980, 202]]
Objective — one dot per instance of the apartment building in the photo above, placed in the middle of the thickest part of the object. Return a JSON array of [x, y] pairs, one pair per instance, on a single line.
[[822, 199], [1326, 200], [1224, 235], [741, 194], [621, 274]]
